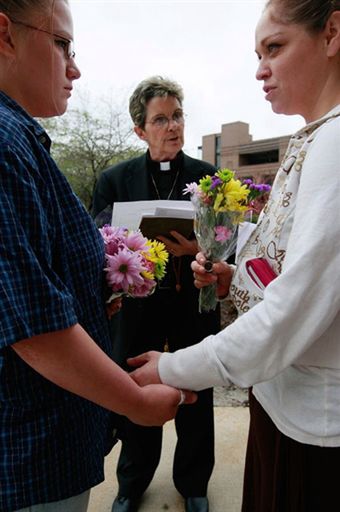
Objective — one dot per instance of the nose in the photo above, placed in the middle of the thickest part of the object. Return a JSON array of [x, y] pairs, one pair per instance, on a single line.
[[173, 123], [73, 72], [263, 70]]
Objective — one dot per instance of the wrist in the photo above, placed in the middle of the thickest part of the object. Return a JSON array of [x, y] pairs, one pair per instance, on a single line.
[[223, 287]]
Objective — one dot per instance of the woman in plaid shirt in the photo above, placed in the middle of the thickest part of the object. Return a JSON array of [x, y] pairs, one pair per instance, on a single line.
[[57, 380]]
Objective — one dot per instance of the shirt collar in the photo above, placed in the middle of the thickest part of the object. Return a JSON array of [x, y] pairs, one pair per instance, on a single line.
[[26, 119], [175, 164], [313, 125]]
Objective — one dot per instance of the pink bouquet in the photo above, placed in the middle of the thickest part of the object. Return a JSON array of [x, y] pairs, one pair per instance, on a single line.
[[134, 263]]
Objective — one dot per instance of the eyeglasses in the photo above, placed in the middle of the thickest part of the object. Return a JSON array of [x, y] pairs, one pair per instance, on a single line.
[[63, 42], [163, 121]]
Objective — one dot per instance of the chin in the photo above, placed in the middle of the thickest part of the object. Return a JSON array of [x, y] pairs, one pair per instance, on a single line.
[[277, 109], [175, 148], [58, 108], [53, 111]]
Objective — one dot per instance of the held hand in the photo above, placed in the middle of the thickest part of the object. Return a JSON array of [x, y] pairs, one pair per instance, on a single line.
[[220, 273], [147, 368], [182, 246], [159, 403]]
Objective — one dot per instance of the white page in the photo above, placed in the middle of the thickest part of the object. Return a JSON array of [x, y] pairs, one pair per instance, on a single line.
[[245, 229], [128, 214], [186, 212]]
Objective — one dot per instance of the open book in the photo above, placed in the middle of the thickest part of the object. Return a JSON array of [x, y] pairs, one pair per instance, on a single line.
[[153, 218]]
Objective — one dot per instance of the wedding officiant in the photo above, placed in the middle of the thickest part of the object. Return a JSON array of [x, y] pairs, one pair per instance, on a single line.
[[168, 319]]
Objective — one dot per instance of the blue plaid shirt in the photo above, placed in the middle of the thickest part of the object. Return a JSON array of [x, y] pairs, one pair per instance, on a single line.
[[52, 443]]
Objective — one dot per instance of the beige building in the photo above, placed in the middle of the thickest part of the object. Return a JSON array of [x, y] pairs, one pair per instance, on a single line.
[[235, 148]]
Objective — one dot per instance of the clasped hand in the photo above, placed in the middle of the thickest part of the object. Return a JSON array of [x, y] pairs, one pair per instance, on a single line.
[[147, 368], [147, 373]]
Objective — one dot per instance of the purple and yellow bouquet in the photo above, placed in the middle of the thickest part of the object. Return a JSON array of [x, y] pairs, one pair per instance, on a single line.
[[221, 203], [134, 264]]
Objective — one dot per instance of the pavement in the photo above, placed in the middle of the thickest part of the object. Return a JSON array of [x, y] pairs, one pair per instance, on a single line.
[[225, 487]]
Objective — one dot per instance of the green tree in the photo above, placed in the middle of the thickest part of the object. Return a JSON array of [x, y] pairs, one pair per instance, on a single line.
[[86, 140]]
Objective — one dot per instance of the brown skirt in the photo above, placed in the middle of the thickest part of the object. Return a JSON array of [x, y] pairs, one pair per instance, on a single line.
[[282, 475]]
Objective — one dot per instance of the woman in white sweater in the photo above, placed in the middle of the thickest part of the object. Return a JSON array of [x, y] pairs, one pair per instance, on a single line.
[[285, 344]]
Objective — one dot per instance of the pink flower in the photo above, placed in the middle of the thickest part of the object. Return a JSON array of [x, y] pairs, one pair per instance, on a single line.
[[222, 233], [190, 188], [135, 241], [124, 270], [113, 238], [148, 265], [145, 289], [130, 263]]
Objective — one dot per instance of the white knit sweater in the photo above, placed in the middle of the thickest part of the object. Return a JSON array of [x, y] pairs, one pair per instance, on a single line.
[[286, 342]]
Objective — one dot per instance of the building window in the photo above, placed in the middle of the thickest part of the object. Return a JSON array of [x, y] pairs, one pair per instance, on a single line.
[[218, 151], [263, 157]]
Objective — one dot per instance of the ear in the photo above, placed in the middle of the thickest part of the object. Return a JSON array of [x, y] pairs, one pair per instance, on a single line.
[[140, 133], [332, 32], [6, 44]]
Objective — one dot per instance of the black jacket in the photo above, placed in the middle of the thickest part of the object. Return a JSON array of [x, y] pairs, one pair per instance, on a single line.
[[130, 181], [144, 324]]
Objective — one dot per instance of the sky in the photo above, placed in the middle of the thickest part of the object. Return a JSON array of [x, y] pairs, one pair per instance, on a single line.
[[206, 46]]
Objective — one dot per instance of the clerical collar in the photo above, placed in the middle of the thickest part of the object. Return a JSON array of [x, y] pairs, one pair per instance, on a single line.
[[164, 166], [170, 165]]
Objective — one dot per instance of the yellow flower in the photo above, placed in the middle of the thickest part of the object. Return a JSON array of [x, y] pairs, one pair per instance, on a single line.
[[147, 274], [219, 201], [233, 197], [157, 251]]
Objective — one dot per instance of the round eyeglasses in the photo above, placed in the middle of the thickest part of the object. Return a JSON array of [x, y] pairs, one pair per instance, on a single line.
[[162, 121], [63, 42]]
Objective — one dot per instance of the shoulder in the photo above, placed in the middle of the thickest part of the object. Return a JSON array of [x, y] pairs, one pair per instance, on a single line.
[[21, 135], [198, 165], [323, 144], [328, 132], [117, 170], [12, 130]]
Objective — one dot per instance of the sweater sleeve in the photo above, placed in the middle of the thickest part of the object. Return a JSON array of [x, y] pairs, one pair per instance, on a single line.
[[298, 306]]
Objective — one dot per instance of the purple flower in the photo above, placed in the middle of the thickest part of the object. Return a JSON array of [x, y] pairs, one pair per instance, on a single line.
[[215, 182]]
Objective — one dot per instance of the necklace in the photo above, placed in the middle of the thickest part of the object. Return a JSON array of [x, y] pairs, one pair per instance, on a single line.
[[177, 264], [172, 188]]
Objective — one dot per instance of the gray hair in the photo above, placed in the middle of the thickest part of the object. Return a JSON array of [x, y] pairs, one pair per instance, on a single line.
[[148, 89], [312, 14]]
